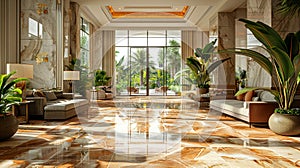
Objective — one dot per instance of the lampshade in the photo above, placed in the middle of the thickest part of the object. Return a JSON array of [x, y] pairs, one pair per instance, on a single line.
[[22, 70], [71, 75]]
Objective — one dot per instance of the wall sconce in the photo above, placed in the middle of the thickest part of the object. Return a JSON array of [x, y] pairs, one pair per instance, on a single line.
[[214, 30], [42, 8], [41, 57]]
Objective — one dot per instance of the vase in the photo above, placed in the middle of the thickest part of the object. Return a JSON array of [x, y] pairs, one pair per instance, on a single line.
[[284, 124], [8, 126]]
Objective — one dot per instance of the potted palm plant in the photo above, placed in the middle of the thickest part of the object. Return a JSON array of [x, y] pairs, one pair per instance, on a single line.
[[9, 95], [201, 66], [283, 63]]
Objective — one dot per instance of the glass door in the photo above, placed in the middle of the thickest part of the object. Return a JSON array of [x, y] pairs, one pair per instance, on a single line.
[[138, 71], [157, 71]]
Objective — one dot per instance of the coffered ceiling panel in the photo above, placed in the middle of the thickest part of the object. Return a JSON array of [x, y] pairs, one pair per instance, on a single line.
[[155, 14]]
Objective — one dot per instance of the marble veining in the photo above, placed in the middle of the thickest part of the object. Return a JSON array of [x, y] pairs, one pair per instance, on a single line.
[[148, 132]]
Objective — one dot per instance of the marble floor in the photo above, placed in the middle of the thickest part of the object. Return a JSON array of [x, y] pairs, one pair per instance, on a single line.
[[148, 132]]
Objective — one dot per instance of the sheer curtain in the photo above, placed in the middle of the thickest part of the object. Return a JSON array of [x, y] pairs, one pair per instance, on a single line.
[[108, 51]]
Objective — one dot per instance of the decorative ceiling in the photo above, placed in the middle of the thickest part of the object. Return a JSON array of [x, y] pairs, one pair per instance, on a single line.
[[147, 12], [155, 14]]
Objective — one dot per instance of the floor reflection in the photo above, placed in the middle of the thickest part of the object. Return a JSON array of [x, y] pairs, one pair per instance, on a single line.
[[148, 132]]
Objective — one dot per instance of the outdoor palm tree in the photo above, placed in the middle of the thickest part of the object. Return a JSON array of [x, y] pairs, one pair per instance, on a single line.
[[173, 57], [139, 63]]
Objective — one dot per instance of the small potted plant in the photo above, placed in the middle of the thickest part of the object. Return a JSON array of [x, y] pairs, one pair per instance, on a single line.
[[241, 78], [101, 81], [9, 96]]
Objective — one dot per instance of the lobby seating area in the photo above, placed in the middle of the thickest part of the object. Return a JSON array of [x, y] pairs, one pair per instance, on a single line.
[[55, 105], [254, 108]]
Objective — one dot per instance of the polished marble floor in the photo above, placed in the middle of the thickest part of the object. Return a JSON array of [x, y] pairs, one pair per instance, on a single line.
[[148, 132]]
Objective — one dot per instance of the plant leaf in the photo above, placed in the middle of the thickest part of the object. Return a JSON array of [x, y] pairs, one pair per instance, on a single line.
[[284, 63], [215, 64], [292, 44], [262, 60], [265, 34], [296, 63]]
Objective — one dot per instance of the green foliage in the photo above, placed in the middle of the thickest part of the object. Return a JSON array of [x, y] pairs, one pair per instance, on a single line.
[[202, 65], [100, 78], [9, 94], [295, 111], [241, 77], [284, 62], [289, 7]]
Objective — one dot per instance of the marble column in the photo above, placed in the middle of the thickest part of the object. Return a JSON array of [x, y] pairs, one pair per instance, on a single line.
[[74, 30], [225, 78], [241, 62]]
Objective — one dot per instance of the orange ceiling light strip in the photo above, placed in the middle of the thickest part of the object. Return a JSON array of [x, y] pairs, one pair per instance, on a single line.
[[128, 14]]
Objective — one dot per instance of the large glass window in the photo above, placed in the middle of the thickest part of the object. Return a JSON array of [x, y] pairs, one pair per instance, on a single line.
[[147, 61], [84, 42]]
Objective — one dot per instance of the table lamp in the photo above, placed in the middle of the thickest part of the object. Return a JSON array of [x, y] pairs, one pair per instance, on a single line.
[[22, 71], [71, 76]]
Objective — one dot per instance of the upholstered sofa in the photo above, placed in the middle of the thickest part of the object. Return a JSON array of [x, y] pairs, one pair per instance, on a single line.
[[256, 111], [56, 105]]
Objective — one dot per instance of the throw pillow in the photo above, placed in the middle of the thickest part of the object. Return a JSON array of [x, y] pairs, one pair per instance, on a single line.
[[241, 97], [255, 98], [249, 95], [38, 93], [267, 96], [50, 95]]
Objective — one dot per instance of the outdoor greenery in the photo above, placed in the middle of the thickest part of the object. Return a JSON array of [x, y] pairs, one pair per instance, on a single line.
[[9, 94], [283, 64], [160, 75]]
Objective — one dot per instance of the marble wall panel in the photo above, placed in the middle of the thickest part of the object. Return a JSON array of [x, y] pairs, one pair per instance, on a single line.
[[39, 49]]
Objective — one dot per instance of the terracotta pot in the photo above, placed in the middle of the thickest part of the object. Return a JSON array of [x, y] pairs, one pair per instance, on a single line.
[[202, 90], [284, 124], [8, 126]]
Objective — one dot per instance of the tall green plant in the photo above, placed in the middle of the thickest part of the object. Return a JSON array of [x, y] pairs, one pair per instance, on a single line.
[[9, 94], [202, 64], [284, 61]]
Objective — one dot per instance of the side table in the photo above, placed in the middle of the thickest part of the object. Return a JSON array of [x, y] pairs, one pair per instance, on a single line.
[[25, 103]]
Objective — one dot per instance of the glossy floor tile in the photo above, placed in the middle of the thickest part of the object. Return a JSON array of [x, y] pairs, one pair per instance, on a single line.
[[148, 132]]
